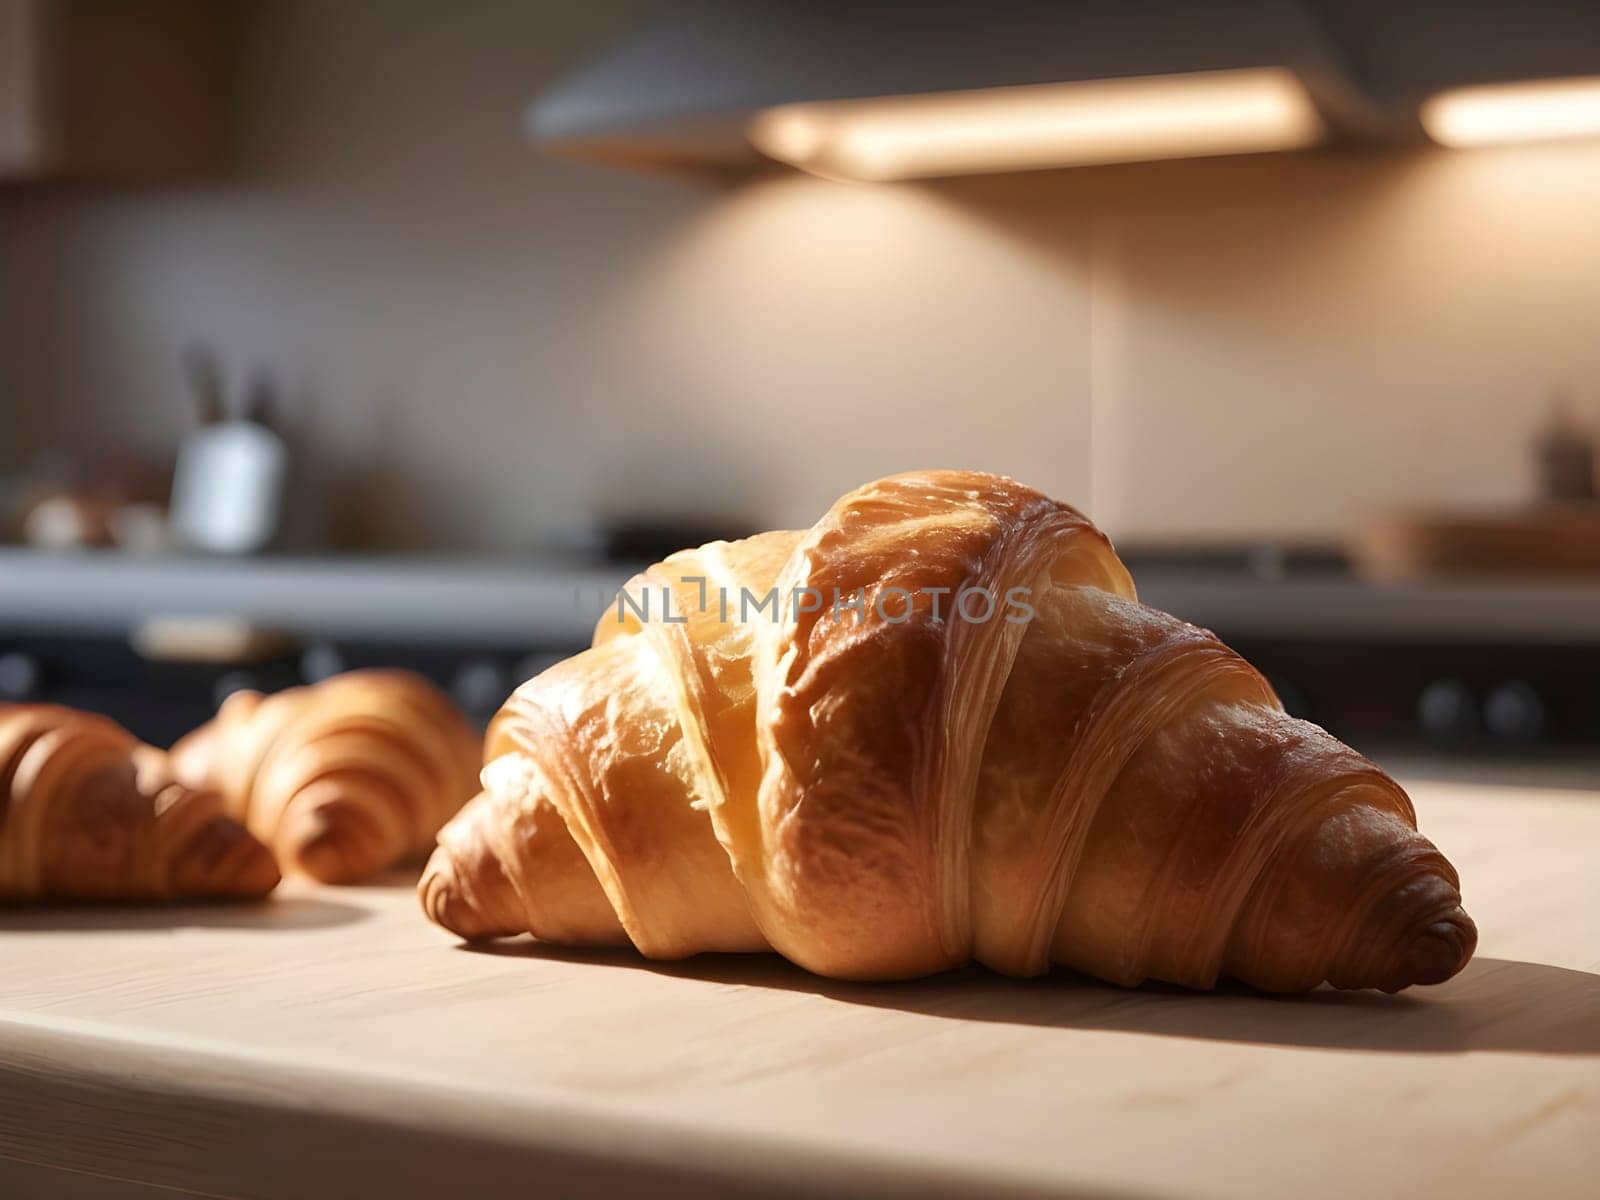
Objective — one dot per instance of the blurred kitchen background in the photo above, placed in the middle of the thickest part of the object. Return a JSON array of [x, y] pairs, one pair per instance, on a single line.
[[435, 366]]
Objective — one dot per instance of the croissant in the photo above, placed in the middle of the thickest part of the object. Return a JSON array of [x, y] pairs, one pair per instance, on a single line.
[[938, 727], [87, 812], [343, 778]]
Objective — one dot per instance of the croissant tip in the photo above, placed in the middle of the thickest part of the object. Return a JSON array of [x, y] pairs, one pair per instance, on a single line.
[[335, 842], [225, 861], [1441, 949], [442, 900]]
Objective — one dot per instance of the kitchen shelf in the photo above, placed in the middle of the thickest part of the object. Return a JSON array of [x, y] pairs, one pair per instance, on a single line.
[[114, 89]]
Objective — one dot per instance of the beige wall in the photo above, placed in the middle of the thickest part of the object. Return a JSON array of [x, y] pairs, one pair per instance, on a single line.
[[480, 345], [1312, 340]]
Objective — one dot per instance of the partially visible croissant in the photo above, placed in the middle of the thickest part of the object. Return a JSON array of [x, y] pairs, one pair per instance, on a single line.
[[882, 781], [343, 778], [87, 812]]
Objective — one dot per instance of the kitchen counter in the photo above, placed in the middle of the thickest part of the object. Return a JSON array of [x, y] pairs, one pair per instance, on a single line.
[[332, 1043], [445, 600], [554, 601]]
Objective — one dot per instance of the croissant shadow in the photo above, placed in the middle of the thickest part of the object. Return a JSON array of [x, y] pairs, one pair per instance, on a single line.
[[1495, 1004], [273, 914]]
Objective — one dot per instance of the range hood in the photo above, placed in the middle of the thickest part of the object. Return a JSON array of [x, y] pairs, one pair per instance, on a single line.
[[875, 91]]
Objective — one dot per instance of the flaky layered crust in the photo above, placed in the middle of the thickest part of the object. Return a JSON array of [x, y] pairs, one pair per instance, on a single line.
[[87, 812], [343, 778], [900, 788]]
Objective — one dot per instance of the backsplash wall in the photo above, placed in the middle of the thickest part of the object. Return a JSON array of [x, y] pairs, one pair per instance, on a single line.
[[478, 347]]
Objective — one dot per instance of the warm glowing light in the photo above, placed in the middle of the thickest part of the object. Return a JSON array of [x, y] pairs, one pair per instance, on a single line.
[[1052, 125], [1532, 111]]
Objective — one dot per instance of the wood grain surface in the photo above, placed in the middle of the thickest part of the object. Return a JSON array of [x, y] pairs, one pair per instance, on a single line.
[[331, 1043]]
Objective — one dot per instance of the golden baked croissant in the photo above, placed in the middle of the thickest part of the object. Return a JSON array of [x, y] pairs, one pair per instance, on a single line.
[[87, 812], [951, 734], [343, 778]]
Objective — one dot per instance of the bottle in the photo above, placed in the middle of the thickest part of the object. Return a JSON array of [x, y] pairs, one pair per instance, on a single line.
[[1566, 456]]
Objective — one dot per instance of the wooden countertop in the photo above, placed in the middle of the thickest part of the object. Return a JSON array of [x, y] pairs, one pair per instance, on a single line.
[[331, 1043]]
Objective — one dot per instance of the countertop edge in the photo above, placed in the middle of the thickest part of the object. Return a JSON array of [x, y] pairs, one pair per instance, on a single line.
[[164, 1113]]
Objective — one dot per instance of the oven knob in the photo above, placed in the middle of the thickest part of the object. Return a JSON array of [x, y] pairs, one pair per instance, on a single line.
[[1513, 712], [321, 660], [1448, 711], [537, 663], [481, 686], [20, 675], [230, 682]]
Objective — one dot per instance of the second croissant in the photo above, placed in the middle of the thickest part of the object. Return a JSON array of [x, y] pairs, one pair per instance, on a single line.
[[343, 778]]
